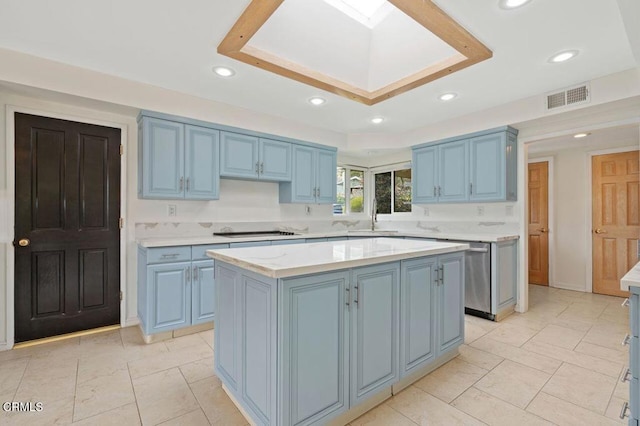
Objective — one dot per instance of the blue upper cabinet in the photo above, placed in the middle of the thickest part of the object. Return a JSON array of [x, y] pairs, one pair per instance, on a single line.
[[239, 156], [275, 160], [162, 159], [326, 176], [314, 177], [425, 175], [488, 168], [452, 172], [178, 161], [480, 167], [249, 157], [202, 180]]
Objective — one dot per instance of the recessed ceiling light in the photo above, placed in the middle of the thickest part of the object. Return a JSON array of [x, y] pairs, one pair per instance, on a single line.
[[377, 120], [316, 100], [581, 135], [512, 4], [563, 56], [223, 71], [447, 96]]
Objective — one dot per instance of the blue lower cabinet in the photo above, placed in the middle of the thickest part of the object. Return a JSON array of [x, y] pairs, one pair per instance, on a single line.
[[202, 292], [375, 319], [170, 302], [227, 334], [315, 349], [450, 291], [417, 296], [504, 275]]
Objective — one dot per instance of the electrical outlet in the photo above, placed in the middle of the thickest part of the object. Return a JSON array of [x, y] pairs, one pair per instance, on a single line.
[[509, 210], [172, 210], [307, 210], [425, 211], [480, 210]]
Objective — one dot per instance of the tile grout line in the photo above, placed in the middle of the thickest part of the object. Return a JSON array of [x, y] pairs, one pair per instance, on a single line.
[[75, 391], [542, 387], [135, 397]]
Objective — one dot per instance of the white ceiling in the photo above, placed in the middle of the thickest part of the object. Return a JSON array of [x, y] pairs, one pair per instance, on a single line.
[[597, 139], [173, 45]]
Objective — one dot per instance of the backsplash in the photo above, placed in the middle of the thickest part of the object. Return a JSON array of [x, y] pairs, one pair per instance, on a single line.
[[206, 229]]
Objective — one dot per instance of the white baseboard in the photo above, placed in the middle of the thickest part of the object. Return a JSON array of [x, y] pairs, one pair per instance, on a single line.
[[4, 346], [567, 286], [129, 322]]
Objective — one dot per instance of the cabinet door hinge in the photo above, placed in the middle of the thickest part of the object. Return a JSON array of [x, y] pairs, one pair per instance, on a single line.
[[121, 222], [121, 149], [121, 296]]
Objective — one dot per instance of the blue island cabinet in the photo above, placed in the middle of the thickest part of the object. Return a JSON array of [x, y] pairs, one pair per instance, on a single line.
[[326, 347]]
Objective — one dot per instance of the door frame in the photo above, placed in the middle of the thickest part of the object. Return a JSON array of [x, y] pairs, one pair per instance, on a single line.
[[10, 179], [589, 205], [550, 216]]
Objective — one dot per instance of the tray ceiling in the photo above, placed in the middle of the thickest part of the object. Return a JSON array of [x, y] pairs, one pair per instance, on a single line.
[[403, 45]]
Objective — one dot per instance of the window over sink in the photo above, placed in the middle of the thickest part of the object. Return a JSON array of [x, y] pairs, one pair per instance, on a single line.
[[350, 190]]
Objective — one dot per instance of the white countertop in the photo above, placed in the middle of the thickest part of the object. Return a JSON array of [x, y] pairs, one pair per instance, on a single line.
[[631, 278], [293, 260], [188, 241]]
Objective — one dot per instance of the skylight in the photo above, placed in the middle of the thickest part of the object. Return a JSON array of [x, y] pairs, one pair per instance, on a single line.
[[368, 12]]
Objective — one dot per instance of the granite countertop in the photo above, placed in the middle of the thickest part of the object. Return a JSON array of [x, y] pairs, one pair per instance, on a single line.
[[187, 241], [631, 278], [289, 260]]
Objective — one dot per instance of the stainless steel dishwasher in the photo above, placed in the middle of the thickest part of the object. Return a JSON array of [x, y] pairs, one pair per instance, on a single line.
[[477, 289]]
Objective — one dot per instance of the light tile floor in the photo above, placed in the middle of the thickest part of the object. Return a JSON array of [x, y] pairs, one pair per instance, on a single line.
[[559, 363]]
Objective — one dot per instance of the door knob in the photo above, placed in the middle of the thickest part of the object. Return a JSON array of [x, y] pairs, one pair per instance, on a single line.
[[543, 230], [24, 242], [600, 231]]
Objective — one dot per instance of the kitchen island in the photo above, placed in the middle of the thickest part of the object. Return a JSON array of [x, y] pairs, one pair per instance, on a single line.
[[320, 333]]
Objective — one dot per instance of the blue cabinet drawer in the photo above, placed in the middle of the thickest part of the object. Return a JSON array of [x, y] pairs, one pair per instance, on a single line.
[[634, 319], [634, 357], [168, 254], [200, 252], [283, 242], [634, 398], [316, 240], [250, 244]]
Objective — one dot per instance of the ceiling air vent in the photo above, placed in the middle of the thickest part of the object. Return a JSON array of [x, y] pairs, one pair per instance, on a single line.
[[571, 96]]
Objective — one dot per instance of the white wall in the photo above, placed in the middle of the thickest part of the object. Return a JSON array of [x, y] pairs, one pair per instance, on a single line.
[[571, 188]]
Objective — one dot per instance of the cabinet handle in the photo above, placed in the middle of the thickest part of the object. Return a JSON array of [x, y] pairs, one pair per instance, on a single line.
[[261, 168], [181, 183], [623, 412], [188, 184], [626, 302], [470, 188], [435, 191], [315, 192], [626, 339], [195, 273], [357, 295], [257, 167], [188, 274], [441, 275], [318, 192], [348, 295], [439, 191], [626, 376], [168, 255]]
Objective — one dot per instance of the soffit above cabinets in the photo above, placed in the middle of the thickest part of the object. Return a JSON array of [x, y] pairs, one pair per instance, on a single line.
[[413, 42]]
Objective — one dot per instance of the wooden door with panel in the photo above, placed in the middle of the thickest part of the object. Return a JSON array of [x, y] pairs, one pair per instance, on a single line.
[[615, 219], [538, 230]]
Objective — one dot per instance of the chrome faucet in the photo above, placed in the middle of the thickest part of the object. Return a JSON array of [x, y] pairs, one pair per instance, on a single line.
[[374, 213]]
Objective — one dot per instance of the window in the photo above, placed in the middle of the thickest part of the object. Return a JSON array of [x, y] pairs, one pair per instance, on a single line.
[[350, 191], [393, 191]]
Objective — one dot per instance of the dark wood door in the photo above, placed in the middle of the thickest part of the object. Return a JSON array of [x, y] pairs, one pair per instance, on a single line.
[[67, 237]]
